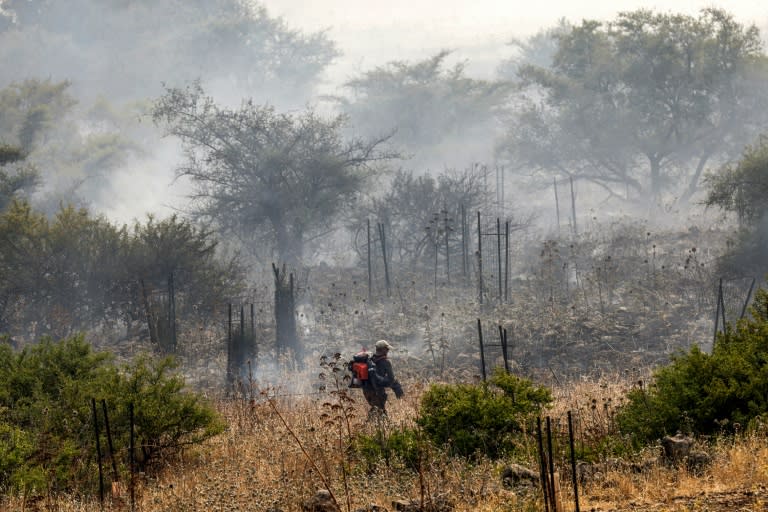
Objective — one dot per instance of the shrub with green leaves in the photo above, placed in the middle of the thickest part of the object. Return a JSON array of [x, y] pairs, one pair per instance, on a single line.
[[47, 436], [406, 446], [706, 393], [481, 419]]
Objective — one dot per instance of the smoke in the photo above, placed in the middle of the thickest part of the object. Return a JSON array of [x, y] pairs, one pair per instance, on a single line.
[[127, 51]]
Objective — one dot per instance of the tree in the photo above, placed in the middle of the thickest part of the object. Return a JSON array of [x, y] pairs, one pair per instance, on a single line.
[[175, 253], [75, 150], [425, 103], [742, 188], [254, 166], [641, 105], [414, 203]]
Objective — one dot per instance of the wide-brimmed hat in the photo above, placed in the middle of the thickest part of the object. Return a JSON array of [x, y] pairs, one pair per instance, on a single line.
[[381, 344]]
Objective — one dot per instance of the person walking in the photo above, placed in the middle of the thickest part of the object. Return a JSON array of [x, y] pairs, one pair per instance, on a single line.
[[380, 377]]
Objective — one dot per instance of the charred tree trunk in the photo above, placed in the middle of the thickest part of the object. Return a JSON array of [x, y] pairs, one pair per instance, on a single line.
[[148, 310], [287, 339]]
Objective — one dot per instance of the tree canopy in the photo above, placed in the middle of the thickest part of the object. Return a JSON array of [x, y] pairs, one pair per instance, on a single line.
[[641, 105], [256, 167]]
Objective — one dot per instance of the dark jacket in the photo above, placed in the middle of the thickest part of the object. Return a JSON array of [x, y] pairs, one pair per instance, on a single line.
[[382, 376]]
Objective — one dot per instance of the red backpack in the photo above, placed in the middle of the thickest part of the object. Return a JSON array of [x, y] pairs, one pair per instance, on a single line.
[[359, 366]]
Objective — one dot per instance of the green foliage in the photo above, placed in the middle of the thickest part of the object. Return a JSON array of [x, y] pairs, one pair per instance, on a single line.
[[742, 188], [484, 419], [16, 178], [47, 434], [31, 109], [74, 270], [706, 393], [406, 445]]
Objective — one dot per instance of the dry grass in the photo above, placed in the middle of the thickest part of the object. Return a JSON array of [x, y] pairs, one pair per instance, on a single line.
[[279, 451]]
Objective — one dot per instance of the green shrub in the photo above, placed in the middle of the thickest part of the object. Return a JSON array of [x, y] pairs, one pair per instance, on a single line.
[[405, 445], [47, 434], [484, 419], [706, 393]]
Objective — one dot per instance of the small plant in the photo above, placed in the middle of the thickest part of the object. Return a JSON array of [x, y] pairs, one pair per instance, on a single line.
[[406, 445]]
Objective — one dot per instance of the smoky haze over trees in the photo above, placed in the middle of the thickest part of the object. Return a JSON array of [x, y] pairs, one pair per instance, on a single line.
[[640, 106], [437, 113], [115, 56], [742, 188], [127, 49], [254, 167]]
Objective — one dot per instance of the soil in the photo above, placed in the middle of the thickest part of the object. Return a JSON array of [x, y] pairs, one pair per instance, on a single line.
[[735, 500]]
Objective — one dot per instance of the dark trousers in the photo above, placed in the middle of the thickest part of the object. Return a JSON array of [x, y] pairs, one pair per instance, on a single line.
[[375, 397]]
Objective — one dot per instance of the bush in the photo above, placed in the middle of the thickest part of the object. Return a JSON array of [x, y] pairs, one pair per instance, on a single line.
[[482, 419], [705, 394], [406, 445], [47, 433]]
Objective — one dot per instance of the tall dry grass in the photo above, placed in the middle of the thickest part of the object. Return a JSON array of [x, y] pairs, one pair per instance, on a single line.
[[280, 449]]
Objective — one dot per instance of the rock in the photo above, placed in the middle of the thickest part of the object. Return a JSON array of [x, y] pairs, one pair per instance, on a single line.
[[697, 461], [515, 474], [322, 501], [676, 448], [679, 450], [597, 471]]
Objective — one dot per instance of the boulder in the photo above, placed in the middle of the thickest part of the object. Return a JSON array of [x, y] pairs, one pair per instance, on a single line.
[[322, 501], [516, 474]]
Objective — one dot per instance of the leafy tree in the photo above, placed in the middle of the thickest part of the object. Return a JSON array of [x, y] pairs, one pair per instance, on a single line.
[[641, 105], [254, 166], [425, 103], [742, 188], [30, 109], [74, 149], [706, 393], [481, 419], [174, 248]]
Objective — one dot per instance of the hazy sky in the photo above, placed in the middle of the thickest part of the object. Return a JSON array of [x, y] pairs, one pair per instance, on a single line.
[[372, 33]]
